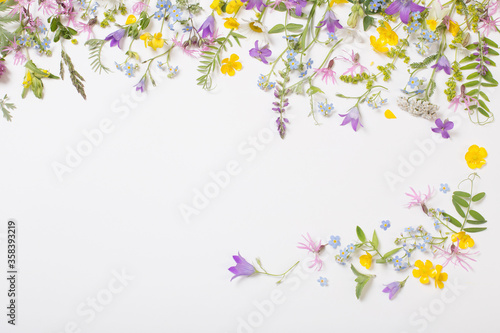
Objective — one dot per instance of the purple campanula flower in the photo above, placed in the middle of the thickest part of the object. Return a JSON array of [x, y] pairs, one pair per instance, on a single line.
[[393, 288], [141, 85], [443, 127], [331, 21], [116, 37], [255, 3], [442, 64], [299, 4], [352, 117], [404, 7], [207, 29], [261, 53], [242, 268]]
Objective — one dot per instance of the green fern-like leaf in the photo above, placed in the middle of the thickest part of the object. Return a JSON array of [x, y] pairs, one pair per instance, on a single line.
[[95, 50]]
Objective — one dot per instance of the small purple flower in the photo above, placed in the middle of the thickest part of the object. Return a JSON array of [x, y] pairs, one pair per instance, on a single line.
[[207, 29], [392, 289], [443, 128], [242, 268], [352, 117], [141, 85], [404, 7], [299, 4], [332, 23], [442, 64], [261, 53], [116, 37], [255, 3]]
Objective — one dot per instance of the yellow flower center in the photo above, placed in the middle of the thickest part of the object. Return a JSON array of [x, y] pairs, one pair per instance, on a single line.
[[254, 27]]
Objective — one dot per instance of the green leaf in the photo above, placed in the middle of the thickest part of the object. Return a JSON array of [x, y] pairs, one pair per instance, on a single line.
[[483, 112], [490, 42], [489, 85], [476, 215], [460, 201], [473, 92], [293, 27], [313, 90], [375, 241], [462, 194], [478, 196], [391, 252], [452, 220], [471, 84], [472, 75], [458, 209], [474, 229], [490, 79], [277, 29], [469, 66], [492, 52], [368, 22], [475, 222], [484, 96], [361, 280], [361, 234]]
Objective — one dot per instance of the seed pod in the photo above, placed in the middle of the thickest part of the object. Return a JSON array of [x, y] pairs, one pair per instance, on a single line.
[[331, 63]]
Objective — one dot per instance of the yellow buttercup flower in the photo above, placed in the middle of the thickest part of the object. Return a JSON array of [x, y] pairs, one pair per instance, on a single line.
[[379, 45], [366, 260], [229, 65], [475, 157], [465, 240], [387, 35], [233, 6], [231, 23], [423, 271], [216, 5], [432, 24], [439, 276], [130, 19], [157, 42], [146, 37], [454, 28], [338, 2]]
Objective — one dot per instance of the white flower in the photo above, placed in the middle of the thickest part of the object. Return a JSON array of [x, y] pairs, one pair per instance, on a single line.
[[418, 107], [253, 29], [349, 35]]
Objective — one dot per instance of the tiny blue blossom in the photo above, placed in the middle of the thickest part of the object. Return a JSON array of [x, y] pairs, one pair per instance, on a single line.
[[409, 229], [444, 188], [344, 253], [290, 54], [397, 261], [323, 281], [351, 248], [159, 15], [309, 63], [294, 64], [421, 247], [385, 224], [427, 238], [334, 241], [413, 82]]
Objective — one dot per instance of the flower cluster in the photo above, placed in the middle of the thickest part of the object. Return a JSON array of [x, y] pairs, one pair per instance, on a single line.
[[212, 34], [450, 243]]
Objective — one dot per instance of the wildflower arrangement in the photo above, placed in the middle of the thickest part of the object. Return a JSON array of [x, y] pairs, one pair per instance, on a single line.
[[444, 239], [298, 56]]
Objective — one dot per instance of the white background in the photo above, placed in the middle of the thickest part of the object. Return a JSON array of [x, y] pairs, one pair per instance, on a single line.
[[118, 210]]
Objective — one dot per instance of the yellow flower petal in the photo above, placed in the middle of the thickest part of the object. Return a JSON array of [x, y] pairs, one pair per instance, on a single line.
[[130, 19], [389, 115], [432, 24]]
